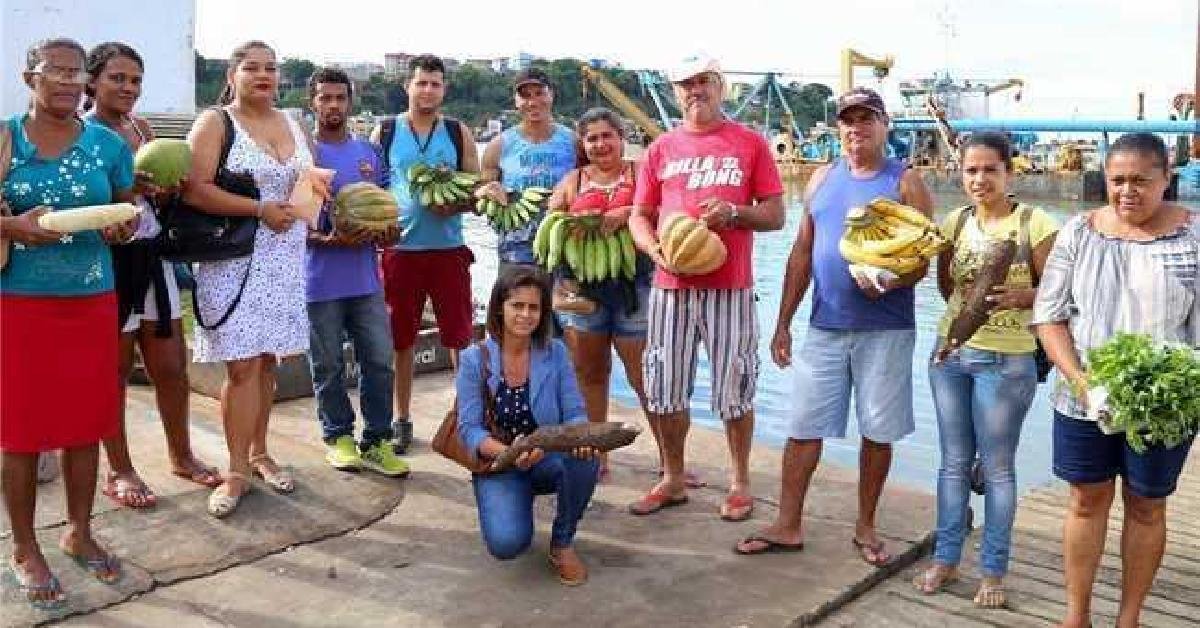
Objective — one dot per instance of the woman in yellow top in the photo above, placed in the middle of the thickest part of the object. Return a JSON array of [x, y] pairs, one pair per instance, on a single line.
[[982, 391]]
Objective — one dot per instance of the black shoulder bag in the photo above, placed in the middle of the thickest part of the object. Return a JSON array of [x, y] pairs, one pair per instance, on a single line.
[[191, 235]]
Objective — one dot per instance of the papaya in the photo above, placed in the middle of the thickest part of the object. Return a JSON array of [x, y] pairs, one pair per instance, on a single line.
[[167, 161], [364, 206]]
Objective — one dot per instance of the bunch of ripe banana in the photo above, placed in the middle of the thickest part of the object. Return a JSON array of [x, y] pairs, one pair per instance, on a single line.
[[440, 186], [578, 242], [519, 211], [888, 235]]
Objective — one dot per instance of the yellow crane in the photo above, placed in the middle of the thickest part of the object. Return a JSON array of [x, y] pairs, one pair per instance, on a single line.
[[623, 103], [853, 59]]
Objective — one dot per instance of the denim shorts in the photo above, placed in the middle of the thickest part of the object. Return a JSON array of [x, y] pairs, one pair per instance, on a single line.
[[1085, 455], [612, 318], [872, 367]]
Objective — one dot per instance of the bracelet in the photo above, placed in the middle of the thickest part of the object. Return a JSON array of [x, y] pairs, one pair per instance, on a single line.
[[258, 212]]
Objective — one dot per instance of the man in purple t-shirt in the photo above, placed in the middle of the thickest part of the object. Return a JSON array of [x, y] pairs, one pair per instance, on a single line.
[[345, 296]]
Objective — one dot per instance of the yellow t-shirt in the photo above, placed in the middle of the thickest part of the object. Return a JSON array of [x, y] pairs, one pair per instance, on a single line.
[[1006, 331]]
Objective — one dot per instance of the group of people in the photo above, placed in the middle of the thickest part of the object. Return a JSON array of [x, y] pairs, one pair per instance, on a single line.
[[1130, 265]]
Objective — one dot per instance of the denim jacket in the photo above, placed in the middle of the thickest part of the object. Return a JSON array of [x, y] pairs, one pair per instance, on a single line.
[[553, 392]]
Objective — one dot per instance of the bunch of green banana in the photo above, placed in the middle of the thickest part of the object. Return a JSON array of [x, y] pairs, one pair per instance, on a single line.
[[519, 211], [578, 242], [439, 185], [888, 235]]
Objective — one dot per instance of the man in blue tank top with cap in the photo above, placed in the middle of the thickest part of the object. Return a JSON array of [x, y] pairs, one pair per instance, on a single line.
[[860, 339], [538, 152]]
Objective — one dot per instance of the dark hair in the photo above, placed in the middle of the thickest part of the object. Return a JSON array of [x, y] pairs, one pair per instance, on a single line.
[[428, 63], [508, 281], [98, 58], [37, 52], [1146, 144], [235, 59], [592, 116], [329, 76], [994, 140]]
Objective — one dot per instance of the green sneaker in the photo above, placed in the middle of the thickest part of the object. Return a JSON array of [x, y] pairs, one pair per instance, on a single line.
[[343, 454], [381, 458]]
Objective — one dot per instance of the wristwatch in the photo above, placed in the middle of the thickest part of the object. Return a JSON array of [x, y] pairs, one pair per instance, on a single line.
[[733, 213]]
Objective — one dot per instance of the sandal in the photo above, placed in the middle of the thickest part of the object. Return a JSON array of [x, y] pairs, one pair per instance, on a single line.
[[872, 553], [935, 577], [279, 479], [221, 505], [43, 596], [200, 474], [128, 491], [105, 567], [691, 479], [769, 546], [737, 507], [991, 594], [655, 501]]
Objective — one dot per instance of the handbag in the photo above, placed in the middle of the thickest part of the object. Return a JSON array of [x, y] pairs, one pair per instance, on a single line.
[[447, 442], [190, 234], [5, 162]]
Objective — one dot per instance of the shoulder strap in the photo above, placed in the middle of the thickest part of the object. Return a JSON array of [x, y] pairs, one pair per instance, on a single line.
[[454, 128], [6, 146], [1024, 243], [489, 403], [230, 135], [387, 131], [964, 212]]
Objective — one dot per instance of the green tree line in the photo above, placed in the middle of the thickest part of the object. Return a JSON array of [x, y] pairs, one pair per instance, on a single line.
[[476, 94]]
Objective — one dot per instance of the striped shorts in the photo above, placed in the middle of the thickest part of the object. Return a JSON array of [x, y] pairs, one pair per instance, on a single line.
[[725, 321]]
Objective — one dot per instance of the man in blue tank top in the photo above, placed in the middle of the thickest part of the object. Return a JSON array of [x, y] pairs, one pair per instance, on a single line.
[[860, 339], [345, 297], [538, 152], [431, 260]]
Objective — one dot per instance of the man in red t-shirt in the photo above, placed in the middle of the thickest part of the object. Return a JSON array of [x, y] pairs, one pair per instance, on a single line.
[[723, 174]]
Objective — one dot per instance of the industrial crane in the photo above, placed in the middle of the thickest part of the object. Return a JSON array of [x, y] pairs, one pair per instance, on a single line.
[[852, 59], [619, 100]]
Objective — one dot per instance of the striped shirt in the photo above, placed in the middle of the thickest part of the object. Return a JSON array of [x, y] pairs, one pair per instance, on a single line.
[[1102, 285]]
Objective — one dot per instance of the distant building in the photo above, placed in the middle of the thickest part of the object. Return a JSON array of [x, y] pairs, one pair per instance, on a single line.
[[395, 64], [162, 32], [359, 71], [520, 62]]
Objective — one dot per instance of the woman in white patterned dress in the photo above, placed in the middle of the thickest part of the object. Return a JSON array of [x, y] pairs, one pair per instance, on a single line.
[[270, 320]]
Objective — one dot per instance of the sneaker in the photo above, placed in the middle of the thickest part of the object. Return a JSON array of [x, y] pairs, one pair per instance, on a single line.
[[382, 459], [403, 436], [343, 454]]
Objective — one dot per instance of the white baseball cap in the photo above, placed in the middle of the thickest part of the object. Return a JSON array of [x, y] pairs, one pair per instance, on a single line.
[[693, 65]]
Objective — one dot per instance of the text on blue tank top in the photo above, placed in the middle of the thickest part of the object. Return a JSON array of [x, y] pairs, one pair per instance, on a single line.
[[422, 230], [525, 164], [838, 302]]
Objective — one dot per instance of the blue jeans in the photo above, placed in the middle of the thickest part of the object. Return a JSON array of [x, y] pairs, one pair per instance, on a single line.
[[506, 502], [981, 398], [365, 320]]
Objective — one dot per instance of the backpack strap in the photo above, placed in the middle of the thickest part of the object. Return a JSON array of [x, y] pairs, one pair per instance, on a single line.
[[964, 212], [1024, 241], [387, 132], [454, 129]]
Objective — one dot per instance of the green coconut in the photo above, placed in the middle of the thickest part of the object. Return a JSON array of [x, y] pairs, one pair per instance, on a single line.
[[167, 161]]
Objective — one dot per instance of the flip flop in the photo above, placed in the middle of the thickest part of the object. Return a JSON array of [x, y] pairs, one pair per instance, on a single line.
[[769, 546], [932, 580], [33, 591], [121, 490], [690, 479], [654, 501], [737, 507], [204, 476], [105, 568], [868, 550]]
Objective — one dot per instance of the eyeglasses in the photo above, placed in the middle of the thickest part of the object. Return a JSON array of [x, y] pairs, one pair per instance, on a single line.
[[66, 76]]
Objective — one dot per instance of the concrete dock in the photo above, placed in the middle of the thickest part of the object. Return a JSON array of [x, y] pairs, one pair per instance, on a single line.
[[357, 548]]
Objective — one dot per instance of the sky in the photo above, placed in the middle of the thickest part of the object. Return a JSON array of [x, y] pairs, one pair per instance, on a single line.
[[1078, 58]]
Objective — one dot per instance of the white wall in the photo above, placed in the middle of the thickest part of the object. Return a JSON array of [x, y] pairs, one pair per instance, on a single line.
[[161, 31]]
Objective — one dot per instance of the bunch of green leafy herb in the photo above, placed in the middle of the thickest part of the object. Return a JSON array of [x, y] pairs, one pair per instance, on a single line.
[[1153, 389]]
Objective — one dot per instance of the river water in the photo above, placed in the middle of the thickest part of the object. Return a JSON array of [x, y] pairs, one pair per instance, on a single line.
[[916, 457]]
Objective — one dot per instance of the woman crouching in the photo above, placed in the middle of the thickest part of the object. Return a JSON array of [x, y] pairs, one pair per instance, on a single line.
[[531, 383]]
